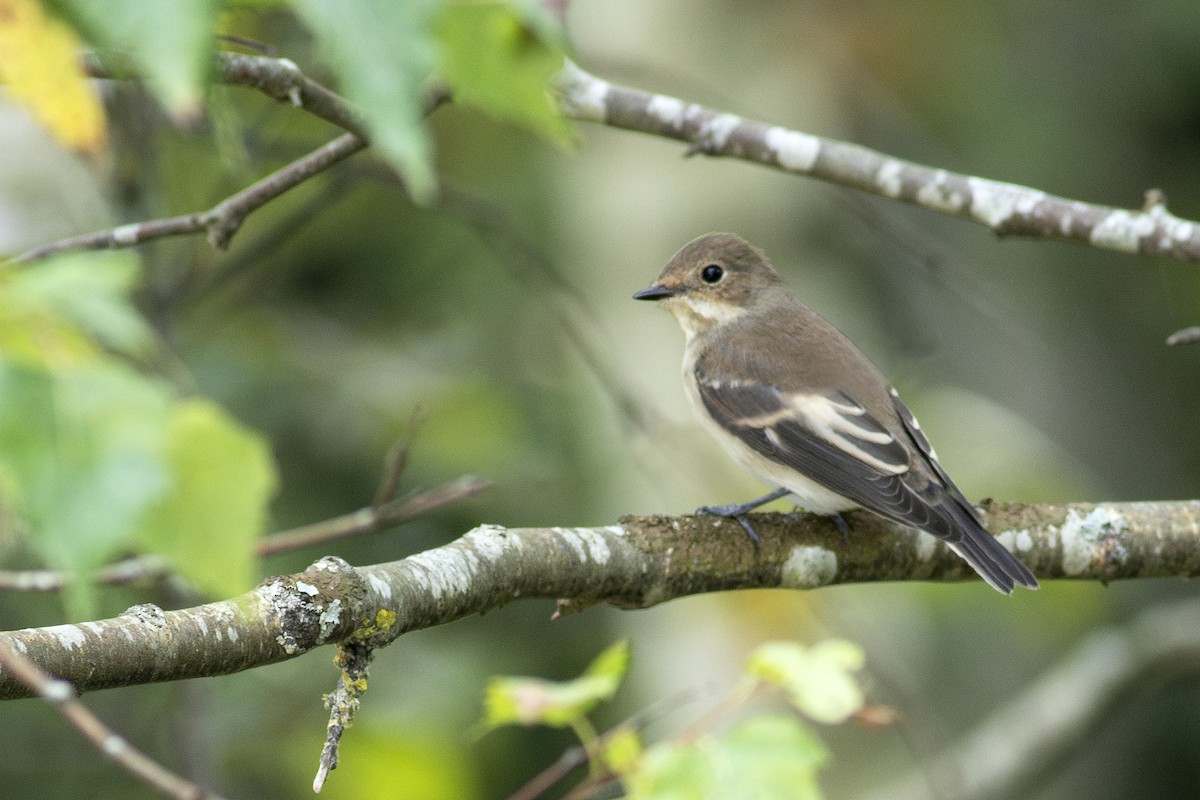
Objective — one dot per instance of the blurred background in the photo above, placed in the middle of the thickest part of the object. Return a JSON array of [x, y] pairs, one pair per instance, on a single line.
[[504, 316]]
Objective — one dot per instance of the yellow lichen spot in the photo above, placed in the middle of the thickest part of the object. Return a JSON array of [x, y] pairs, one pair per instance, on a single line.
[[385, 619], [39, 63]]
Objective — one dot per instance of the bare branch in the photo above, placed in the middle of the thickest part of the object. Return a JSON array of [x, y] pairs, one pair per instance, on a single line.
[[372, 518], [221, 221], [280, 79], [277, 78], [638, 563], [1005, 208], [125, 571], [61, 696], [1186, 336], [366, 520]]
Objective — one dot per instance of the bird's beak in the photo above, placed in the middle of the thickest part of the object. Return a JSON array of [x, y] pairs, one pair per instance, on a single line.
[[656, 292]]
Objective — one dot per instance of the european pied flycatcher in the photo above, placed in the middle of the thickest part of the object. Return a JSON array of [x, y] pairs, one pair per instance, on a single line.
[[793, 400]]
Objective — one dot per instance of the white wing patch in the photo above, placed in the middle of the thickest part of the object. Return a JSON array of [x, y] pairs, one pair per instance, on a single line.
[[834, 420]]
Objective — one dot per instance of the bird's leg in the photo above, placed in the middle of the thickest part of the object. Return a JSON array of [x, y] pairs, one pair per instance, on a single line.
[[738, 511], [842, 526]]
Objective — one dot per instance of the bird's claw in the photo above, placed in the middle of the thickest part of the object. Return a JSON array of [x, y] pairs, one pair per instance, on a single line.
[[734, 511]]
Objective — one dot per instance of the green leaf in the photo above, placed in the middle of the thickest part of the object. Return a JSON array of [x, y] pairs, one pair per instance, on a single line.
[[382, 53], [672, 771], [622, 750], [501, 58], [530, 701], [169, 43], [768, 757], [819, 680], [80, 458], [88, 292], [209, 521]]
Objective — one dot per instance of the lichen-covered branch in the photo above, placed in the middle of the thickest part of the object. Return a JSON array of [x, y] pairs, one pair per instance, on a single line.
[[1014, 749], [1006, 208], [638, 563]]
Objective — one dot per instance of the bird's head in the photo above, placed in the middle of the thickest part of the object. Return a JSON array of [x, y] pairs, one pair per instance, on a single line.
[[713, 280]]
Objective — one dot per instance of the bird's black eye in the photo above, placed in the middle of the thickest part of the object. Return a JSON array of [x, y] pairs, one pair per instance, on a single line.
[[712, 273]]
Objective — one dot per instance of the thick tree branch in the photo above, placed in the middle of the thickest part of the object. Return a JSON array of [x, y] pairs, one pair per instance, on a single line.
[[1006, 208], [641, 562]]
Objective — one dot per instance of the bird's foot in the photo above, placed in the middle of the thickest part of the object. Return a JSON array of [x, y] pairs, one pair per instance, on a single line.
[[732, 511], [842, 526]]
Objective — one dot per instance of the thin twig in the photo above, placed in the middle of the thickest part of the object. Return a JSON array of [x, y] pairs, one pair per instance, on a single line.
[[571, 759], [221, 221], [1186, 336], [371, 519], [354, 660], [125, 571], [61, 696], [278, 78], [365, 520], [397, 460]]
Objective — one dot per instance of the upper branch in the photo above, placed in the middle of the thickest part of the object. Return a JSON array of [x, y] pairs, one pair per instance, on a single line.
[[641, 562], [1006, 208]]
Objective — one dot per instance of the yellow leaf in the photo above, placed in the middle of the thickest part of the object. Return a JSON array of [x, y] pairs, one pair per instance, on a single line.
[[39, 62]]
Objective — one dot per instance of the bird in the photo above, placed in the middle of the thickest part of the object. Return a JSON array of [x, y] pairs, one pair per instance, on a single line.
[[793, 400]]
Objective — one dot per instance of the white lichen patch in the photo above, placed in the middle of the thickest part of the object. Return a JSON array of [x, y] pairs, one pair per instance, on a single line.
[[936, 194], [445, 571], [202, 624], [307, 588], [1024, 542], [715, 133], [668, 110], [490, 541], [793, 150], [1081, 534], [584, 96], [889, 178], [68, 636], [231, 633], [126, 235], [379, 586], [330, 618], [1016, 541], [808, 568], [927, 546], [587, 543], [994, 203], [1121, 230]]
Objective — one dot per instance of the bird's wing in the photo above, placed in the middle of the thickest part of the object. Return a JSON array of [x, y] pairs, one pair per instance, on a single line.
[[833, 440]]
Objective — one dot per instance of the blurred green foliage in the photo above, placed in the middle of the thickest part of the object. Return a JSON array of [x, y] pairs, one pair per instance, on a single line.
[[1037, 369], [768, 756]]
